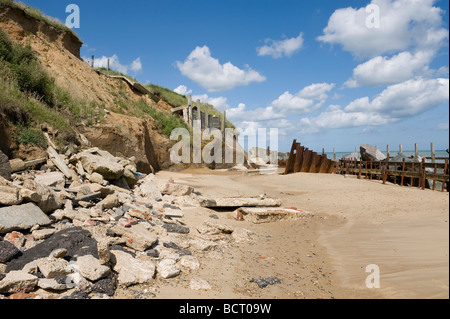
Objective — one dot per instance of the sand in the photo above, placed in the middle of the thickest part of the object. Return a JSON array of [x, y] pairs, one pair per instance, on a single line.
[[356, 223]]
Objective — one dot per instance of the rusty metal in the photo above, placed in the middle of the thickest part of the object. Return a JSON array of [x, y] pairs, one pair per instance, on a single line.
[[303, 160]]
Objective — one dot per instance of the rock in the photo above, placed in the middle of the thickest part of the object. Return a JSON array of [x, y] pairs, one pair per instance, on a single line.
[[77, 242], [5, 167], [7, 251], [52, 268], [173, 228], [105, 286], [47, 199], [90, 268], [242, 235], [190, 262], [21, 217], [371, 153], [153, 253], [264, 282], [51, 284], [240, 202], [176, 189], [15, 238], [18, 281], [102, 163], [96, 178], [199, 284], [110, 201], [167, 268], [131, 270], [149, 188], [130, 177], [9, 193], [58, 253], [104, 254], [350, 156], [139, 236], [41, 234], [226, 229], [174, 214], [202, 245], [52, 179]]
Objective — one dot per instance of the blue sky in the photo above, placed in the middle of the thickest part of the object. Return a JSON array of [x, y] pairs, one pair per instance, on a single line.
[[331, 74]]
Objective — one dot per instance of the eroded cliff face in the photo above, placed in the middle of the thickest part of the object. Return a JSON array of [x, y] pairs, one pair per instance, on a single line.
[[19, 24]]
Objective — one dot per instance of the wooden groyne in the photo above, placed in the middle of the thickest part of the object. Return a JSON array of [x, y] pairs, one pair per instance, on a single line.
[[405, 173]]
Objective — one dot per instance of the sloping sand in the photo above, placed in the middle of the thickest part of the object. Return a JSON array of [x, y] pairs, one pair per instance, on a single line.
[[357, 223]]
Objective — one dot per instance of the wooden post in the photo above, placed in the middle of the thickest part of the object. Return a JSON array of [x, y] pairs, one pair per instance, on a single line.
[[92, 62], [412, 179], [108, 65], [387, 152], [334, 154], [400, 149], [423, 174], [290, 162], [360, 169], [445, 173], [434, 181], [403, 169], [433, 153], [416, 146], [371, 166]]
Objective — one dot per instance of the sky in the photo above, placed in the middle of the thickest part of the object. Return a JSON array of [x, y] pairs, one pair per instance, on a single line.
[[329, 73]]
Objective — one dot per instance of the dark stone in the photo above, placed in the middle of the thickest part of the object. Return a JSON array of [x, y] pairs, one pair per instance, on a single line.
[[2, 276], [8, 251], [153, 253], [105, 286], [77, 295], [213, 216], [172, 228], [5, 167], [264, 282], [171, 245], [76, 240], [171, 206], [184, 252]]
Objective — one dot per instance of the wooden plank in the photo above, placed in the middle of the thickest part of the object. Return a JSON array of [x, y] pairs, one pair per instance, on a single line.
[[299, 159], [307, 161], [290, 162], [57, 160], [313, 164]]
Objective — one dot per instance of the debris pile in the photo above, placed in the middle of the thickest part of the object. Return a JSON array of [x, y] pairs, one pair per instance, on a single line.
[[82, 225]]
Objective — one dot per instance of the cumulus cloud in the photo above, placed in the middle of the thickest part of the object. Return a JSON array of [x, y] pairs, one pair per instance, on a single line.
[[278, 49], [219, 102], [396, 102], [385, 71], [207, 71], [183, 90], [403, 24], [114, 64]]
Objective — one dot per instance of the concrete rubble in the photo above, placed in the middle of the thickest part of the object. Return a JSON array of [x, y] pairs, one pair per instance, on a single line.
[[85, 225]]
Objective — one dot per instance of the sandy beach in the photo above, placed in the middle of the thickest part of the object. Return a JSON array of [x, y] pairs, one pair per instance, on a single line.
[[356, 223]]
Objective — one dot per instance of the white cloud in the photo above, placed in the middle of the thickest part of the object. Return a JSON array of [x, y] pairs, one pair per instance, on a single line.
[[403, 24], [443, 126], [219, 103], [114, 64], [396, 102], [278, 49], [384, 70], [207, 71], [316, 91], [183, 90]]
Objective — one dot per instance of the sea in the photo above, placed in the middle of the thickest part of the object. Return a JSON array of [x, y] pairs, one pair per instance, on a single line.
[[439, 154]]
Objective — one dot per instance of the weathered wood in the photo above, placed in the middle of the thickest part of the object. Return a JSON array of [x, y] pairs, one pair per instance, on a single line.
[[298, 159], [291, 159], [57, 160]]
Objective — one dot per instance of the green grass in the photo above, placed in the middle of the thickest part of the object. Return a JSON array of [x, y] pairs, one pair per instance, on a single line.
[[37, 14], [112, 72], [169, 96], [31, 136]]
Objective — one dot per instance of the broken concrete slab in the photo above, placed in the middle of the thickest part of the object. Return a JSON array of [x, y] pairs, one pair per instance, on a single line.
[[139, 237], [259, 215], [240, 202], [131, 270], [371, 153], [91, 268], [199, 284], [18, 281], [103, 164], [53, 179], [21, 217]]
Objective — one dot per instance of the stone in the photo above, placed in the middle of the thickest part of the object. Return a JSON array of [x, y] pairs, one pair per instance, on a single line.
[[260, 215], [58, 253], [173, 228], [105, 286], [9, 193], [167, 268], [174, 214], [130, 177], [110, 201], [176, 189], [5, 167], [202, 245], [101, 163], [264, 282], [190, 262], [149, 188], [371, 153], [77, 242], [44, 197], [41, 234], [240, 202], [242, 235], [15, 238], [199, 284], [226, 229], [18, 281], [96, 178], [139, 237], [131, 270], [51, 284], [52, 268], [104, 254], [7, 251], [52, 179], [90, 268], [21, 217]]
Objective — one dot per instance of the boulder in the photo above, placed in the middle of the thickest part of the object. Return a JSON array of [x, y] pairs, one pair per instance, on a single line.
[[21, 217], [167, 268], [371, 153], [100, 162], [139, 236], [52, 268], [149, 188], [9, 193], [5, 167], [44, 197], [131, 270], [7, 251]]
